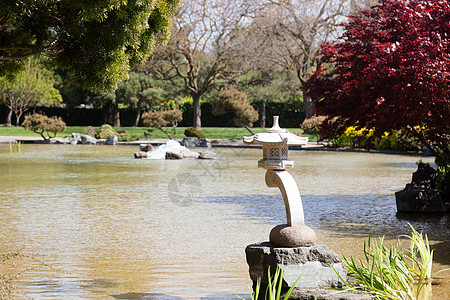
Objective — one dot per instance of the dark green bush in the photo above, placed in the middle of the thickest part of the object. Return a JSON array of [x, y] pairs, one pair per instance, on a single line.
[[192, 132]]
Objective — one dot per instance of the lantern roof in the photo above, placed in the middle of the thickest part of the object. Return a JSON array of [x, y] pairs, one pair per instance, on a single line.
[[276, 135]]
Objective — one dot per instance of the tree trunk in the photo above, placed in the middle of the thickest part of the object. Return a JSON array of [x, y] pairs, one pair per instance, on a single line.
[[17, 119], [116, 115], [107, 113], [309, 106], [138, 113], [197, 112], [8, 117], [262, 113]]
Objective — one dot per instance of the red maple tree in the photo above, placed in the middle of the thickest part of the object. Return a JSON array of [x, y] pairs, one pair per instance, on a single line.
[[391, 70]]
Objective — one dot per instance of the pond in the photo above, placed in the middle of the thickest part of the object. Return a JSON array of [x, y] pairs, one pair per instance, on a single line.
[[96, 223]]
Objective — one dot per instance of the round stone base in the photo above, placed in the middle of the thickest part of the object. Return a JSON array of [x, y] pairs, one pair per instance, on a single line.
[[292, 236]]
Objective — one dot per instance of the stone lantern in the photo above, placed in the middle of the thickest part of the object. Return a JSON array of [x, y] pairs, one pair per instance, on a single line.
[[275, 142], [292, 245]]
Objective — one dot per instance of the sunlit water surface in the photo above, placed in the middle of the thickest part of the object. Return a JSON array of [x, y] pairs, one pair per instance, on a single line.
[[101, 225]]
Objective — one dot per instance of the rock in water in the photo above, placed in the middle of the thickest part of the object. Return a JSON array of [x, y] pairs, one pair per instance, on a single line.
[[75, 138], [173, 147], [112, 140], [190, 142], [146, 147], [207, 155], [141, 154], [173, 155], [87, 139], [421, 194]]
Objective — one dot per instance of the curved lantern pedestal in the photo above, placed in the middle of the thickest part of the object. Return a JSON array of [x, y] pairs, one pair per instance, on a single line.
[[295, 233]]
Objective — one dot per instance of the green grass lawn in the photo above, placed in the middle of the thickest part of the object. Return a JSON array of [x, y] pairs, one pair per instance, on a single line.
[[209, 132]]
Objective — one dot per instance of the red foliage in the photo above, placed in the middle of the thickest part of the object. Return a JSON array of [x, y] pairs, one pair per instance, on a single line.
[[391, 70]]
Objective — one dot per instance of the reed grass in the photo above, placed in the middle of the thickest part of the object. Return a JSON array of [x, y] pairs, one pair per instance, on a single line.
[[15, 147], [389, 272], [274, 286]]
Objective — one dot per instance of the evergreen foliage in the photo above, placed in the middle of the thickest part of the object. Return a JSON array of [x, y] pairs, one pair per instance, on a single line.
[[97, 41], [236, 102]]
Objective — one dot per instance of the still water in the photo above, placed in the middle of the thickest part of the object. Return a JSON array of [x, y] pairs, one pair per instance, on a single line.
[[94, 223]]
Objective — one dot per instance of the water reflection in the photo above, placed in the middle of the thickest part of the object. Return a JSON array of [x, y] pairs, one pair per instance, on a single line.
[[109, 226]]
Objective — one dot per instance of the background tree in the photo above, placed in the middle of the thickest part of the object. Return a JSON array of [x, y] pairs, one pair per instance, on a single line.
[[288, 33], [138, 91], [146, 89], [162, 119], [97, 41], [391, 70], [269, 85], [206, 44], [31, 86], [235, 102]]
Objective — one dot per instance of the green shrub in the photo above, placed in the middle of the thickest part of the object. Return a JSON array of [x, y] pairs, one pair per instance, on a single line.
[[104, 131], [127, 136], [45, 126], [235, 102], [192, 132], [397, 140]]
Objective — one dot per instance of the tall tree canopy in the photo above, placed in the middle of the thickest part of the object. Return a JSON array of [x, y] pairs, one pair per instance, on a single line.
[[288, 33], [391, 70], [97, 41], [206, 44], [30, 87]]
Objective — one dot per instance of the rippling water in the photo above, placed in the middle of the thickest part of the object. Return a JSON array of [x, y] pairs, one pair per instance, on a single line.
[[108, 226]]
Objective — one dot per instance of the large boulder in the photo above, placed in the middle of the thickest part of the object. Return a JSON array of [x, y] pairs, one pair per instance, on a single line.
[[87, 139], [421, 195], [173, 155], [195, 142], [112, 139], [75, 138], [190, 142], [146, 147], [174, 148], [207, 155]]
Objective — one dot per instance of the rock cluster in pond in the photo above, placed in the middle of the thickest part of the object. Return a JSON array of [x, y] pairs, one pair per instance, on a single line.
[[85, 139], [421, 195], [172, 150]]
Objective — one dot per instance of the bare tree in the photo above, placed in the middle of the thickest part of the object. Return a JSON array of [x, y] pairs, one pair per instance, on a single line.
[[205, 44], [288, 33]]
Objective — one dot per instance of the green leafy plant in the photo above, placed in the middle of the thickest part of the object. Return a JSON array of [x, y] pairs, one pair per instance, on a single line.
[[127, 136], [390, 272], [105, 131], [274, 287]]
